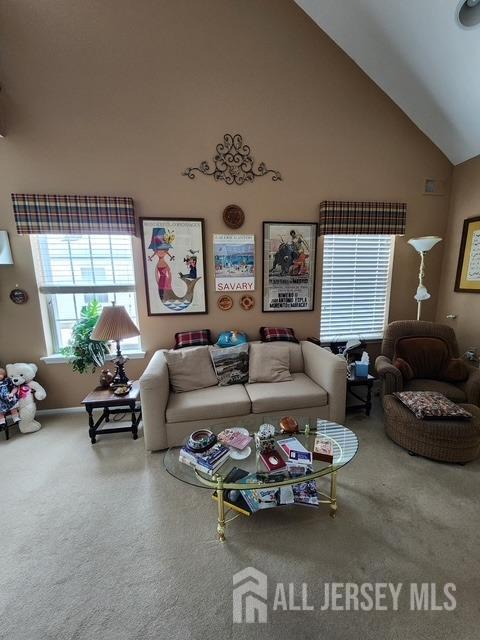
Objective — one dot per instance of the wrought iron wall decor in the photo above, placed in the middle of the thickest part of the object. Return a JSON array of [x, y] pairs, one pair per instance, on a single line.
[[233, 163]]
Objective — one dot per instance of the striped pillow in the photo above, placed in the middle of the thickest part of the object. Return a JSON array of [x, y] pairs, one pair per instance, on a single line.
[[274, 334], [192, 338]]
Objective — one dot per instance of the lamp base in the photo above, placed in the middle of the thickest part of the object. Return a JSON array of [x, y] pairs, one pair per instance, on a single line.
[[120, 378]]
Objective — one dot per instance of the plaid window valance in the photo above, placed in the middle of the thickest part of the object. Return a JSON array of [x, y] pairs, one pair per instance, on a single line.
[[36, 214], [375, 218]]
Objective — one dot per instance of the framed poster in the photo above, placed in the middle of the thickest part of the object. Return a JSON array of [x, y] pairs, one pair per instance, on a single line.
[[289, 255], [174, 265], [234, 256], [468, 269]]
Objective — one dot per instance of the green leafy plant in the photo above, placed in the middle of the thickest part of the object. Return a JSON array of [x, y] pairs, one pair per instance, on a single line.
[[83, 353]]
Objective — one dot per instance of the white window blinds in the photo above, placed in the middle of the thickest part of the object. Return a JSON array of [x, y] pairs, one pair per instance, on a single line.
[[355, 286], [95, 263]]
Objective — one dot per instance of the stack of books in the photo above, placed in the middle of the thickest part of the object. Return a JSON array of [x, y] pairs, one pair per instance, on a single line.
[[208, 461]]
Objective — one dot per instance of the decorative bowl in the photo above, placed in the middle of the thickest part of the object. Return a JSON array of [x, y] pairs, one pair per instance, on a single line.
[[201, 440]]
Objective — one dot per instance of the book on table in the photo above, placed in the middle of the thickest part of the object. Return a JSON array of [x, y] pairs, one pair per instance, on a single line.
[[295, 451], [208, 461]]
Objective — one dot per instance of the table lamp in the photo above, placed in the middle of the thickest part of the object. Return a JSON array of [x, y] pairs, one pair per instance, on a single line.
[[115, 324], [422, 245]]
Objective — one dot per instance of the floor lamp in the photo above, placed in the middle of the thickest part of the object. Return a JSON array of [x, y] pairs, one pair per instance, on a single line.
[[422, 245]]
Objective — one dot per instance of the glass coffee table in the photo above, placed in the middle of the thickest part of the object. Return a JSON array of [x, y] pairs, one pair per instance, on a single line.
[[344, 443]]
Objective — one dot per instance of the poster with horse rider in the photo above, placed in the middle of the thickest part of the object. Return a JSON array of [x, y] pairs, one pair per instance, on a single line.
[[174, 265], [289, 253]]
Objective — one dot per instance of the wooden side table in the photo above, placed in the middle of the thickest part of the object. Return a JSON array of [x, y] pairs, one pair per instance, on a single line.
[[366, 402], [111, 404]]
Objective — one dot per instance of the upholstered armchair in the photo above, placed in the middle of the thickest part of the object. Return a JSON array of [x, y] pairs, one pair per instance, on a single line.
[[424, 356]]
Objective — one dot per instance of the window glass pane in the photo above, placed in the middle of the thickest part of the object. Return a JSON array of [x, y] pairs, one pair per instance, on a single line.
[[78, 262], [355, 286]]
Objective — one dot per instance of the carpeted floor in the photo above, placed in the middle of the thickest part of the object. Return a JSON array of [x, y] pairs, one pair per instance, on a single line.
[[99, 542]]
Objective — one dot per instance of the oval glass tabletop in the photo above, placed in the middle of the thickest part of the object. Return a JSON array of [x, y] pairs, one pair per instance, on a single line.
[[344, 444]]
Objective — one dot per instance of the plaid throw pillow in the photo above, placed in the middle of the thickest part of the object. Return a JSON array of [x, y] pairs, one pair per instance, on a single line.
[[274, 334], [429, 405], [192, 338]]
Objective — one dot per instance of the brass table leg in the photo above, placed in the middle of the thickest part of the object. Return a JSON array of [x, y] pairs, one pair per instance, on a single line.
[[221, 511], [333, 494]]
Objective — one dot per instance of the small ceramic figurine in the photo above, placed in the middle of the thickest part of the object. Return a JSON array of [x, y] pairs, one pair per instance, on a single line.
[[106, 378], [8, 398]]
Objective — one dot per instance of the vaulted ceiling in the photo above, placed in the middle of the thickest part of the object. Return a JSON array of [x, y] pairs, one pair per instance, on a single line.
[[420, 55]]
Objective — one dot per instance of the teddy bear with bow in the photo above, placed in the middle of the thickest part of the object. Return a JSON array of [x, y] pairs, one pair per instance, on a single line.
[[27, 391]]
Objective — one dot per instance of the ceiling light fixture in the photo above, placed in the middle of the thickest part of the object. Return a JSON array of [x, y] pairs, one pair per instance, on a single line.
[[468, 13]]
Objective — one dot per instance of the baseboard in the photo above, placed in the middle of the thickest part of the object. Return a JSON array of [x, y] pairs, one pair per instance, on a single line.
[[52, 412]]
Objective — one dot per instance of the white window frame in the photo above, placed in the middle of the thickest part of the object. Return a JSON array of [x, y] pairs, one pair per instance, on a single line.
[[47, 293], [345, 334]]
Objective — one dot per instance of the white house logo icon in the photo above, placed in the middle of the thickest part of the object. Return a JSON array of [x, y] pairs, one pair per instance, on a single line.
[[249, 595]]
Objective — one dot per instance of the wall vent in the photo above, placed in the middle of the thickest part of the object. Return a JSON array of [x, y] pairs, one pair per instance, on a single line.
[[434, 187]]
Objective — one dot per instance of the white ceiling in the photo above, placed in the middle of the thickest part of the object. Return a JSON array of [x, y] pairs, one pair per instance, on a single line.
[[419, 55]]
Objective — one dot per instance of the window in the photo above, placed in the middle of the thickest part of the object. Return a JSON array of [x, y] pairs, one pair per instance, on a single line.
[[356, 286], [73, 270]]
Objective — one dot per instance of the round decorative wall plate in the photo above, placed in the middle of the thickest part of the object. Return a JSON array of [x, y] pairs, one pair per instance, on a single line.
[[247, 302], [225, 303], [18, 296], [233, 216]]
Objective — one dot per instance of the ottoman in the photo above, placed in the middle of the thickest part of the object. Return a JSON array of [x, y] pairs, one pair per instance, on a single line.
[[443, 440]]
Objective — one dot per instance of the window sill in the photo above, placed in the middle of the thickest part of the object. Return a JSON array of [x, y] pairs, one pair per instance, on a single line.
[[57, 358]]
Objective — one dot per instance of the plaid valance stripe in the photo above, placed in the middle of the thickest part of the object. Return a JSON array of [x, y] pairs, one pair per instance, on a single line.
[[37, 214], [373, 218]]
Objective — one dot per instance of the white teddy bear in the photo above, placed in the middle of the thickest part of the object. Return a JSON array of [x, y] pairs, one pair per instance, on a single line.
[[22, 375]]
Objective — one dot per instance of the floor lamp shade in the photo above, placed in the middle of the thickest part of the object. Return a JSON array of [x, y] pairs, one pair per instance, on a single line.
[[114, 324], [422, 245]]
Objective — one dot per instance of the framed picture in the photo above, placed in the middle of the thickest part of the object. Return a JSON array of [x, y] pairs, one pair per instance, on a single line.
[[468, 270], [289, 256], [174, 265], [234, 256]]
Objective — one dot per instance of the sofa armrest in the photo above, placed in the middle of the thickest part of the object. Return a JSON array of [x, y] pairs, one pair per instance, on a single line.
[[390, 375], [154, 392], [329, 372], [471, 386]]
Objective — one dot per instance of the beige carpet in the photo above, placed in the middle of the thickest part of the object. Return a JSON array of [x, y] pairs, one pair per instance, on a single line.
[[101, 543]]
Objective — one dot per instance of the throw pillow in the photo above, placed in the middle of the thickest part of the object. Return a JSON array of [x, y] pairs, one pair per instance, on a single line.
[[269, 363], [190, 369], [192, 338], [404, 368], [230, 364], [431, 405], [455, 371], [274, 334]]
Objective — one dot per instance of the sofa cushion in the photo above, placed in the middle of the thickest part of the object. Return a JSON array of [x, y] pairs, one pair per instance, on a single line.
[[299, 393], [269, 363], [190, 368], [205, 404], [450, 391]]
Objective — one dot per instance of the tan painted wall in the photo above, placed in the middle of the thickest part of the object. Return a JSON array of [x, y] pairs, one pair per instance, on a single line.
[[119, 96], [465, 203]]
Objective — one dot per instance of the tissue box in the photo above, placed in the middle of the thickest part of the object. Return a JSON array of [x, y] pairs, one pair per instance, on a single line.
[[361, 369]]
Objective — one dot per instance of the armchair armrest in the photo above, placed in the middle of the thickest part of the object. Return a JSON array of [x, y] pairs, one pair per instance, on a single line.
[[329, 372], [391, 376], [471, 386], [154, 392]]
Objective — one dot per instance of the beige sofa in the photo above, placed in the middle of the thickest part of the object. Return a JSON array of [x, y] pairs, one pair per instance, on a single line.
[[318, 389]]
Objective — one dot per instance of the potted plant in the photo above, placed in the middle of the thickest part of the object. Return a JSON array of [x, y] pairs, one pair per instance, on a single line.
[[84, 354]]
